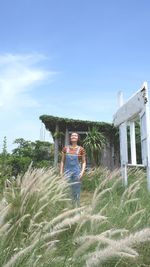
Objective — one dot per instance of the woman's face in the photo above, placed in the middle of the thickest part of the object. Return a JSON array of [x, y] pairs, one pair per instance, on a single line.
[[74, 137]]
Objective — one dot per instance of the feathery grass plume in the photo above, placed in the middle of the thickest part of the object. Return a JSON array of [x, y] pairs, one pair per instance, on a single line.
[[127, 193], [122, 247], [103, 209], [32, 202], [67, 218], [108, 234], [67, 222], [130, 202], [65, 214], [103, 239], [135, 214], [115, 174], [104, 182], [112, 232], [138, 223], [137, 173], [4, 210], [94, 177], [134, 191], [107, 185], [39, 213], [116, 214], [98, 196], [15, 257], [26, 250], [83, 249], [118, 180], [41, 221], [89, 217]]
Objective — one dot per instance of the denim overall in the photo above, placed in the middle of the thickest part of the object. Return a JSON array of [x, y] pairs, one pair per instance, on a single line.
[[72, 170]]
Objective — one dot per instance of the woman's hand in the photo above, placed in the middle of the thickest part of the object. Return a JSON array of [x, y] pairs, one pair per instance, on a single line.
[[83, 167], [80, 175]]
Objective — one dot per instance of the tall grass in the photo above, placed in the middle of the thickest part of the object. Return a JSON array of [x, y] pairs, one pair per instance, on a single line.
[[122, 239], [34, 211], [39, 227]]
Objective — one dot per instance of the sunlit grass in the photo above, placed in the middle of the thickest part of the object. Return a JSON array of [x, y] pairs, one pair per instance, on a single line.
[[39, 227]]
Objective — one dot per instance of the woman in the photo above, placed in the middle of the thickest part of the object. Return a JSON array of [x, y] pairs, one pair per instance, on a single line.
[[73, 165]]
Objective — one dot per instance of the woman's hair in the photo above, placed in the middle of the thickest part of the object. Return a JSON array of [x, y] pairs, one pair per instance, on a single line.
[[79, 138]]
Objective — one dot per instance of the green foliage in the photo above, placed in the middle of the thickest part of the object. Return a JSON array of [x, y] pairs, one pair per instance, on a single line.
[[50, 123], [58, 135], [92, 178], [24, 148], [138, 141], [4, 152], [39, 153], [19, 164], [94, 143], [5, 168]]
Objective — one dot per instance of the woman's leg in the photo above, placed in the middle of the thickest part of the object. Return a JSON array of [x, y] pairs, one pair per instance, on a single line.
[[76, 189]]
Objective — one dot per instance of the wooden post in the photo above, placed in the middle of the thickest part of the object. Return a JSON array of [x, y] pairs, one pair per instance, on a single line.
[[56, 151], [66, 137], [137, 105], [147, 118], [112, 156], [133, 143], [123, 144], [124, 151]]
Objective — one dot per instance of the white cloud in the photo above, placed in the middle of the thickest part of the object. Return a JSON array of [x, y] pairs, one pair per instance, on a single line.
[[18, 75]]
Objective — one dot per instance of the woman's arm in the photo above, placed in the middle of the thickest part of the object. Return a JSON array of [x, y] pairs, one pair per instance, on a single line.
[[62, 164], [83, 166]]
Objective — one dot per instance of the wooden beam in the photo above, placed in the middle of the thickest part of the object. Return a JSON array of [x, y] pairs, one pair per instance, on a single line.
[[79, 132], [66, 137], [136, 165], [131, 108]]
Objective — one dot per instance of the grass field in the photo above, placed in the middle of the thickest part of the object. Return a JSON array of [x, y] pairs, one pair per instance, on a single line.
[[39, 227]]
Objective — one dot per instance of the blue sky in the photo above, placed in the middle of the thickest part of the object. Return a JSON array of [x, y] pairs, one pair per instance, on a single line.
[[69, 58]]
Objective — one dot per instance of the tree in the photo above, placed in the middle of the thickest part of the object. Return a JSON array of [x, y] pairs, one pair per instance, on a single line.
[[43, 154], [4, 153], [5, 167], [94, 143], [24, 148], [40, 153]]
